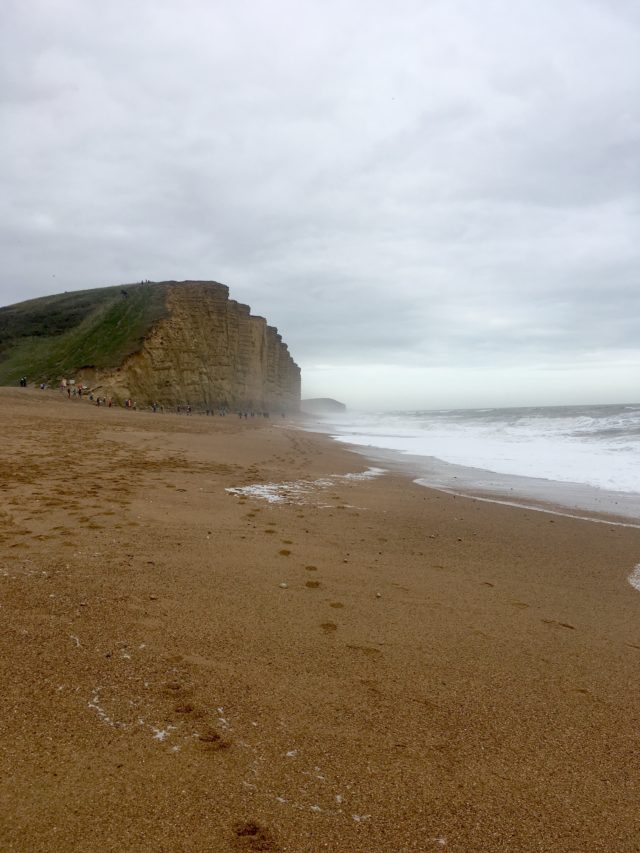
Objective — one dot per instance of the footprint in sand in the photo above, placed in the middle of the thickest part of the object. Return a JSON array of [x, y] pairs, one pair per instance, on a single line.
[[250, 835], [329, 627], [185, 705], [284, 552], [212, 741], [366, 650], [311, 568], [559, 624], [199, 660], [337, 605], [312, 584]]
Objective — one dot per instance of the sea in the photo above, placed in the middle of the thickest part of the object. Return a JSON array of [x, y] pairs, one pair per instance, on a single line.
[[582, 460]]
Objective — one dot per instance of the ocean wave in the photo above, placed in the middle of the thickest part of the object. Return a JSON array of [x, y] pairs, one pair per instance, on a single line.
[[594, 445]]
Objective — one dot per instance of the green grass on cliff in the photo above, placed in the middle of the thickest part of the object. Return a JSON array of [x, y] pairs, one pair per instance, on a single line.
[[54, 336]]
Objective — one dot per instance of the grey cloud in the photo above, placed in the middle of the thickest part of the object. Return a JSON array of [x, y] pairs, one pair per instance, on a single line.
[[433, 184]]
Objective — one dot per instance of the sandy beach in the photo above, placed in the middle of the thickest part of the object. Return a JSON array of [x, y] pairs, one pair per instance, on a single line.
[[363, 664]]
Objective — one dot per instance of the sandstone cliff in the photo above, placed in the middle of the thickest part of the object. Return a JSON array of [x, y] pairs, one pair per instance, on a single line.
[[208, 351]]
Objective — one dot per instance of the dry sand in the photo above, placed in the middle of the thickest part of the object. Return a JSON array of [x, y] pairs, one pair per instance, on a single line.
[[437, 674]]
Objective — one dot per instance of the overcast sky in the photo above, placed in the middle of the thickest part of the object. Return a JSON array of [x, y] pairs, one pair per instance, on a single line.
[[436, 201]]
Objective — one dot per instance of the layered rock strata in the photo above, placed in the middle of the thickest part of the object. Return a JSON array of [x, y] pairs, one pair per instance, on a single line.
[[209, 351]]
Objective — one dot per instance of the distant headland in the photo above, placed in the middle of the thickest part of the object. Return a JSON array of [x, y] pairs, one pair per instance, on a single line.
[[322, 406]]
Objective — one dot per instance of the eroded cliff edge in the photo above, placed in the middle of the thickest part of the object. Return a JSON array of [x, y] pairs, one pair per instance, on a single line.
[[208, 351]]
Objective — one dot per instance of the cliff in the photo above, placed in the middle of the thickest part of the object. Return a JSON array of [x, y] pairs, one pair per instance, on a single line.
[[190, 344], [209, 351]]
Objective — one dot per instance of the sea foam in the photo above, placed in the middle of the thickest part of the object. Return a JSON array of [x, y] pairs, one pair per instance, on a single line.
[[634, 578], [597, 446], [297, 491]]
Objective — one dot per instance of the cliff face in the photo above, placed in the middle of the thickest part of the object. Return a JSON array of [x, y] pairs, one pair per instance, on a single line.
[[208, 351]]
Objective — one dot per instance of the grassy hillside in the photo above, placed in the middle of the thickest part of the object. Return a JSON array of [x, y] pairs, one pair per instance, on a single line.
[[54, 336]]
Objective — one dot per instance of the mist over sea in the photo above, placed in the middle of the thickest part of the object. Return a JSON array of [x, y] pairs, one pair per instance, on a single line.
[[578, 456]]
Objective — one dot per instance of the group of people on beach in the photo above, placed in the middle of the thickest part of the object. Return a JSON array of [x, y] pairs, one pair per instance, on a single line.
[[72, 391], [252, 414], [77, 390]]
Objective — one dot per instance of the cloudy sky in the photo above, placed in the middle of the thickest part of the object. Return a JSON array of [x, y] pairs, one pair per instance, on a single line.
[[436, 201]]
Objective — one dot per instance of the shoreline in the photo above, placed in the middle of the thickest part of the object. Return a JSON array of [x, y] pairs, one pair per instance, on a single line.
[[506, 489], [368, 666]]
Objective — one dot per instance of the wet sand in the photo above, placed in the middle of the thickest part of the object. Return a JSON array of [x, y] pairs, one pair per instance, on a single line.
[[367, 666]]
